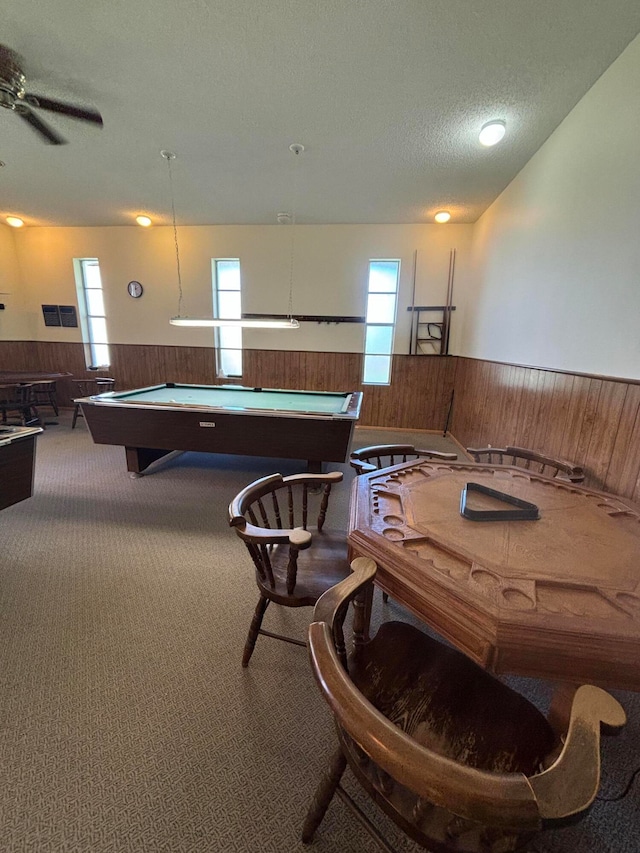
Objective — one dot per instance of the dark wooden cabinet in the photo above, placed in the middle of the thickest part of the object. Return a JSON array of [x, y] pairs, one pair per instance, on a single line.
[[17, 464]]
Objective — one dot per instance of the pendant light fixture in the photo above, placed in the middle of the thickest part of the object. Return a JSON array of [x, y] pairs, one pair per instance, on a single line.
[[255, 322]]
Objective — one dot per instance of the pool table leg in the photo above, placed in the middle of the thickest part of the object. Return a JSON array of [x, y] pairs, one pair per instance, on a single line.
[[314, 467], [139, 458]]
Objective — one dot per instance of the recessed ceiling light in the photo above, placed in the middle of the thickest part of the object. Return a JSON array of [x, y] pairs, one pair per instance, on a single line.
[[14, 222], [492, 132], [442, 216], [144, 221]]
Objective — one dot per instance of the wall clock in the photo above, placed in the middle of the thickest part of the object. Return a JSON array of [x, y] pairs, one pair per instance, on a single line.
[[135, 289]]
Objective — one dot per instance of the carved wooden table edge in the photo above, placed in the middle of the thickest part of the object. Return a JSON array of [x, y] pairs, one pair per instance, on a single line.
[[546, 650]]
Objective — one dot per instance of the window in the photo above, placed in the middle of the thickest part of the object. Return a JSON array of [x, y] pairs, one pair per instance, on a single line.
[[382, 295], [92, 315], [227, 305]]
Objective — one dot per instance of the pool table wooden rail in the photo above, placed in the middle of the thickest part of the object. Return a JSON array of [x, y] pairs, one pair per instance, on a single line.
[[149, 431]]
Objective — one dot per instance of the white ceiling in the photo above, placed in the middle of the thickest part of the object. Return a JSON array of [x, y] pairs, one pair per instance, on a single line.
[[387, 96]]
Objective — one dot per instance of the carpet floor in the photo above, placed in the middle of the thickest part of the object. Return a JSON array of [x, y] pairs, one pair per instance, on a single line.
[[126, 721]]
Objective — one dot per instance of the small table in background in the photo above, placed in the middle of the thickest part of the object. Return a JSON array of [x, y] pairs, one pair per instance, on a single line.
[[44, 384]]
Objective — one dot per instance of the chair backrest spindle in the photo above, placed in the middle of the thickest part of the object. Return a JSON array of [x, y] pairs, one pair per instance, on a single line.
[[529, 460], [305, 506], [324, 503], [369, 459]]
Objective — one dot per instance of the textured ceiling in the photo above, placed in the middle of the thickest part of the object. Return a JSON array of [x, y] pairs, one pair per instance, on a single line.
[[387, 96]]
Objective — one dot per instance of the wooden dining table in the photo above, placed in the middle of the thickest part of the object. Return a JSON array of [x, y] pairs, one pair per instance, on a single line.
[[555, 597]]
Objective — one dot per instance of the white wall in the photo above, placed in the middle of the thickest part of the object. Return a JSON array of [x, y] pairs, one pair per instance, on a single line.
[[330, 271], [11, 287], [556, 258]]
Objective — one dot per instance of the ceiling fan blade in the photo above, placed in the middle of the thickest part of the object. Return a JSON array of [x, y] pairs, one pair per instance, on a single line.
[[39, 126], [82, 113]]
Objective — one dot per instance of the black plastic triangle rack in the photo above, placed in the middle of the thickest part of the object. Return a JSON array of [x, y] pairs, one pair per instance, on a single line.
[[525, 511]]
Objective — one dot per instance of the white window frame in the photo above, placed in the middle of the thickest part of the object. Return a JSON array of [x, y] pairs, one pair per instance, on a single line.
[[374, 350], [93, 318], [227, 339]]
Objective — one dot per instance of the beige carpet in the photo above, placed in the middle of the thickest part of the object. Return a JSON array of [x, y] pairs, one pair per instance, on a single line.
[[127, 722]]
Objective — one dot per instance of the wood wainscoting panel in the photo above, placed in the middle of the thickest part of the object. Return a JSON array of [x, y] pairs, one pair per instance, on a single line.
[[139, 365], [306, 371], [591, 421], [132, 366], [624, 468], [417, 398], [49, 357]]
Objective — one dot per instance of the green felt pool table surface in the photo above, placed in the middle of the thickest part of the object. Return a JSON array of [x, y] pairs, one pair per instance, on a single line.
[[235, 397]]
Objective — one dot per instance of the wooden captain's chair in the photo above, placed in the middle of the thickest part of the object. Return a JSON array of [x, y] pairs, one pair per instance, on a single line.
[[281, 521], [369, 459], [19, 402], [45, 394], [88, 388], [532, 460], [458, 760]]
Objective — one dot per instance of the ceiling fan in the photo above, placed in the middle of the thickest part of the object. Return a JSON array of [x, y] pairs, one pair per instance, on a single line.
[[14, 97]]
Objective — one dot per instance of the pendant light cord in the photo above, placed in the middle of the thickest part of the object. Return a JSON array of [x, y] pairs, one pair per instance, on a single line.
[[297, 150], [169, 157]]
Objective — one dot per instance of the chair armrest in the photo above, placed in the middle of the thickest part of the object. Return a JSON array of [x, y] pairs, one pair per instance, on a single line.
[[382, 450], [571, 783], [359, 459], [298, 537], [362, 467], [329, 477], [477, 452], [574, 472], [438, 454]]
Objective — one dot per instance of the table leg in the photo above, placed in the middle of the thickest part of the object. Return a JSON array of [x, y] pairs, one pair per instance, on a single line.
[[139, 458]]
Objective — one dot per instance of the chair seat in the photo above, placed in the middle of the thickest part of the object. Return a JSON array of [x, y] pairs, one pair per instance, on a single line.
[[442, 699], [319, 567]]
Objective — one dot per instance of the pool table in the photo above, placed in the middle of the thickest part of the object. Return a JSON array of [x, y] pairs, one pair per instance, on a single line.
[[316, 426]]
